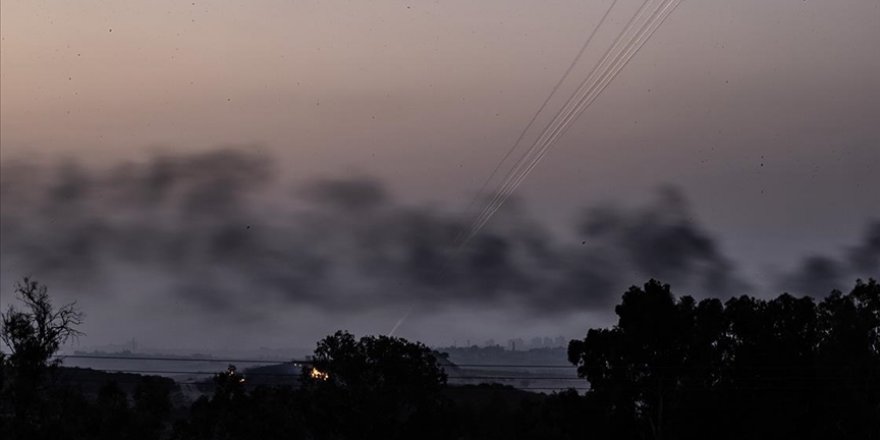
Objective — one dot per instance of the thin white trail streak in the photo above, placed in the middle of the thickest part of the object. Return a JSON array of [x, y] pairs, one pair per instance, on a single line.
[[587, 100], [525, 166], [400, 321], [481, 192], [546, 140], [610, 65], [566, 109]]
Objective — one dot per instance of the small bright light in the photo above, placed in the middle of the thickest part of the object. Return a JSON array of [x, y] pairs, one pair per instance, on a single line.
[[317, 374]]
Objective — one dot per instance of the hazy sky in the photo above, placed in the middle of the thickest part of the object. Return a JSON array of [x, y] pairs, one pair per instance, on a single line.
[[763, 112]]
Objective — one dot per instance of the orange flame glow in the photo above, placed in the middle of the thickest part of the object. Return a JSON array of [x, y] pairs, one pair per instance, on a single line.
[[319, 375]]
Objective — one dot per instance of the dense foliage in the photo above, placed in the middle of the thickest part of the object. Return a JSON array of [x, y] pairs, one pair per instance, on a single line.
[[374, 387], [746, 368], [673, 368]]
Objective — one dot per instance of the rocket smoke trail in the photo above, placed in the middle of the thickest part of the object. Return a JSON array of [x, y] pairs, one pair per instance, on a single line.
[[616, 57]]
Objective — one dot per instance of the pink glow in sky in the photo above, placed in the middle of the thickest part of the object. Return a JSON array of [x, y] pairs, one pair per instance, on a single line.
[[764, 112]]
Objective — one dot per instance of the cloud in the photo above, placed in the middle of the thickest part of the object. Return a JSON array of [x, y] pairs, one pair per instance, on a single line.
[[865, 259], [663, 242], [224, 233], [817, 275]]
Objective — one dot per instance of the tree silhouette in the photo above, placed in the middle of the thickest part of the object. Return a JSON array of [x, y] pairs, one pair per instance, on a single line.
[[265, 413], [111, 416], [848, 356], [377, 386], [748, 368], [672, 367], [33, 336], [226, 414]]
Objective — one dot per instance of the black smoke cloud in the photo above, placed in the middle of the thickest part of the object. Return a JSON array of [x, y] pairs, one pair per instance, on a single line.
[[223, 231], [819, 274]]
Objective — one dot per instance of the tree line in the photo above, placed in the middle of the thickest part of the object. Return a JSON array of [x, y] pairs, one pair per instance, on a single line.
[[671, 368], [745, 368]]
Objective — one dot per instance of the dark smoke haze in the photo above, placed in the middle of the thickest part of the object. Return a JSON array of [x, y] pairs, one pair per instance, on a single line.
[[223, 234]]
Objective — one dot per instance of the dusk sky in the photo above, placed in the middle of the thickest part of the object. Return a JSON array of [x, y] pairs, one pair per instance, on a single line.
[[763, 115]]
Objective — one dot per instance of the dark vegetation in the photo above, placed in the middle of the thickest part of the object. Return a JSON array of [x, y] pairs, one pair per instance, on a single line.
[[671, 368]]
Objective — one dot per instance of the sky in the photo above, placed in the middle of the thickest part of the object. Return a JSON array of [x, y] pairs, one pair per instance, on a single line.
[[747, 129]]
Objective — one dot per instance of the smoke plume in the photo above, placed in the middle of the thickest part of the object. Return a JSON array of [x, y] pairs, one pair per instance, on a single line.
[[222, 231]]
